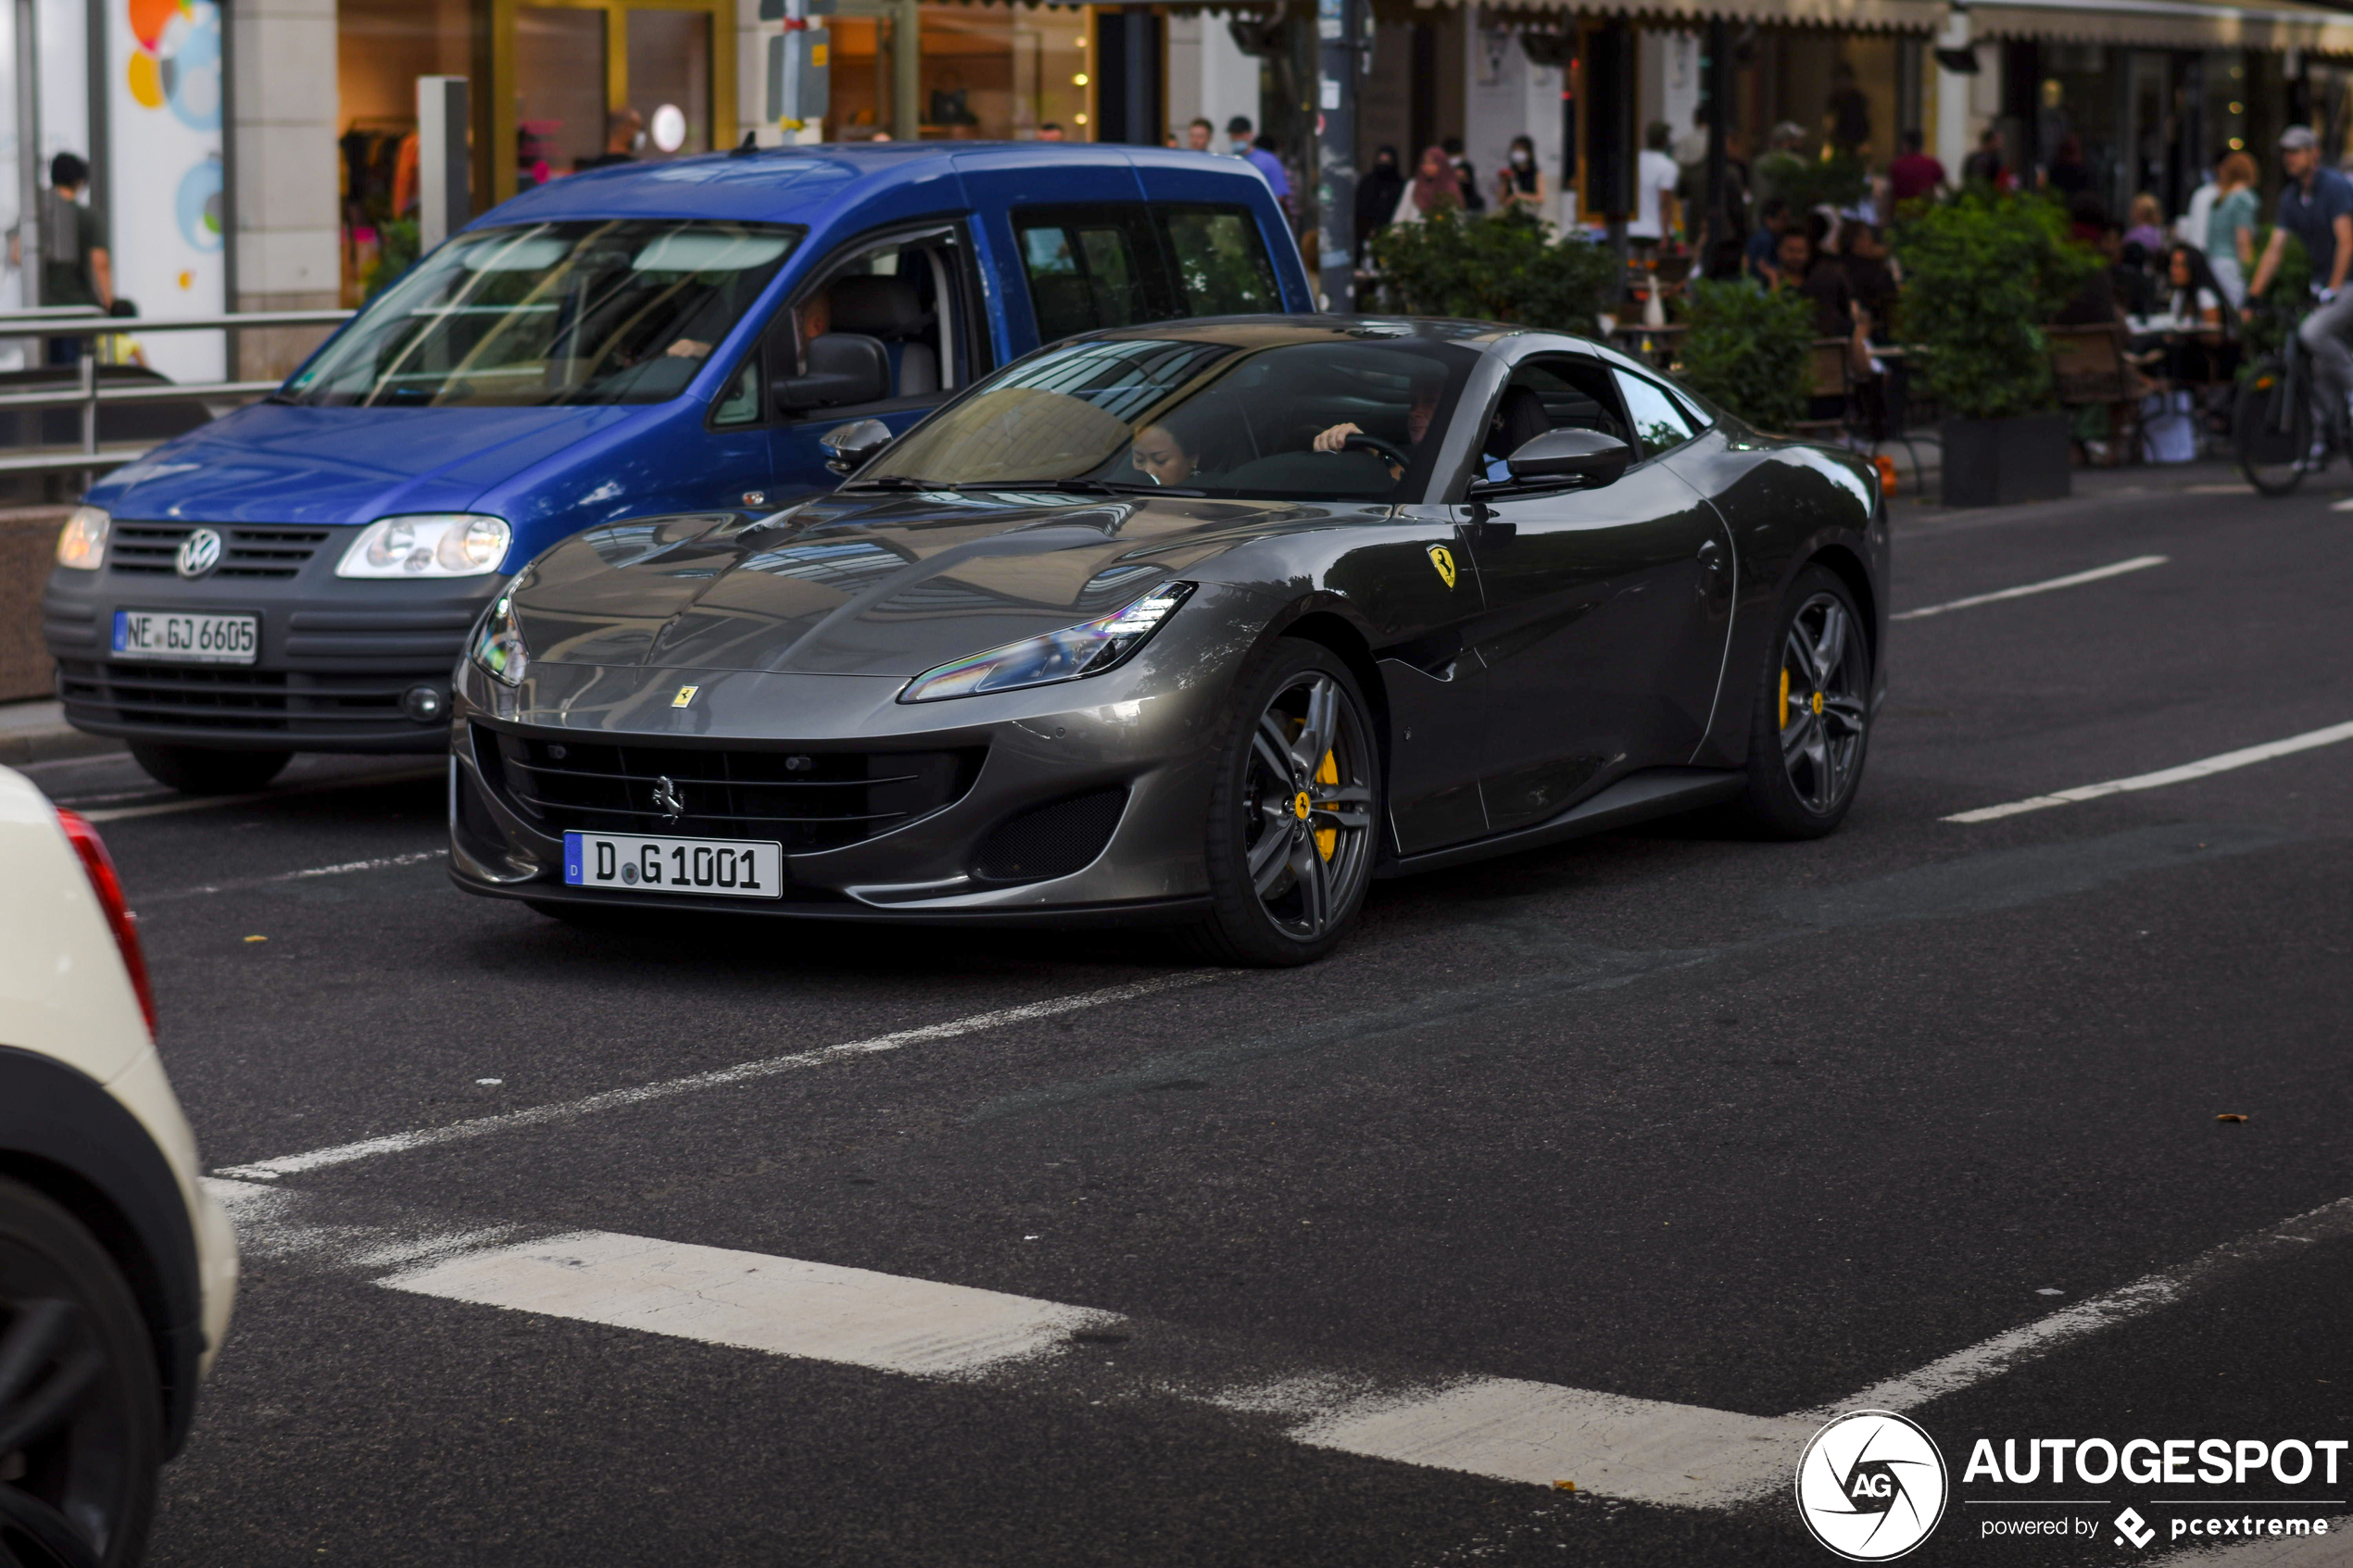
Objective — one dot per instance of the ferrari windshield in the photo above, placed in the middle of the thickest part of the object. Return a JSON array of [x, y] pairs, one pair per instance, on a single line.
[[619, 310], [1327, 421]]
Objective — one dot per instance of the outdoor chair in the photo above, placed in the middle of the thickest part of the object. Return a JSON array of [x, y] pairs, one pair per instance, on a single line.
[[2091, 370]]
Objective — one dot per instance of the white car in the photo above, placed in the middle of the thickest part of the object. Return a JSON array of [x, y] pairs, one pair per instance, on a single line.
[[116, 1268]]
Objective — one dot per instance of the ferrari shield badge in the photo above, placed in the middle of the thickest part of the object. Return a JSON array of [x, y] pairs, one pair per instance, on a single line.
[[1443, 559], [685, 695]]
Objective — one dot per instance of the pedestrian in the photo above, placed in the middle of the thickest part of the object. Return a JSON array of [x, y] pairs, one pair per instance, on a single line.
[[1690, 147], [1915, 176], [624, 135], [1847, 113], [1465, 177], [1267, 157], [2067, 173], [1050, 132], [1431, 190], [1377, 197], [1199, 134], [2229, 237], [1984, 166], [2190, 227], [77, 267], [1656, 214], [2193, 300], [2148, 224], [1764, 243], [1519, 184], [1870, 273], [2316, 206]]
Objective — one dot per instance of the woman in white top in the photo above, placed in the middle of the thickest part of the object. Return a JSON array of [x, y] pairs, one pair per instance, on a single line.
[[1434, 185]]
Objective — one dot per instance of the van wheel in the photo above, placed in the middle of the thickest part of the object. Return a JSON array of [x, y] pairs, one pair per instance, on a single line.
[[196, 769], [80, 1404]]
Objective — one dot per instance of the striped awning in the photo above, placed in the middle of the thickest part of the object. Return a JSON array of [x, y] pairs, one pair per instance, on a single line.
[[2161, 24]]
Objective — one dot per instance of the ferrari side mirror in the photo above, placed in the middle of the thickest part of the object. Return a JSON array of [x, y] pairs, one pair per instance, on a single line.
[[847, 447], [1572, 453]]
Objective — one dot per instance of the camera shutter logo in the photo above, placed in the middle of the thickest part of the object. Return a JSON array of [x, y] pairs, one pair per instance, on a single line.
[[1872, 1486], [199, 553]]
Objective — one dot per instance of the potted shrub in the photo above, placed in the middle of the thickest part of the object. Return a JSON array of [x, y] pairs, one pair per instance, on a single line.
[[1981, 274], [1746, 350], [1505, 269]]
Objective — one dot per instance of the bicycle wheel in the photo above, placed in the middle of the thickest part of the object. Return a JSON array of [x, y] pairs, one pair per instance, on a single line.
[[2271, 425]]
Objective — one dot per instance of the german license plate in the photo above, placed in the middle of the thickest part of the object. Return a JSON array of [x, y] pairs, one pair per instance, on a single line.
[[628, 862], [201, 639]]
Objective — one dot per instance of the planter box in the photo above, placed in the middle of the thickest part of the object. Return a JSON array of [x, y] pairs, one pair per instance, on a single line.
[[2002, 462], [28, 543]]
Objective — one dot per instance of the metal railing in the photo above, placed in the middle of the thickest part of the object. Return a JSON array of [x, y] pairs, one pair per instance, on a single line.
[[87, 395]]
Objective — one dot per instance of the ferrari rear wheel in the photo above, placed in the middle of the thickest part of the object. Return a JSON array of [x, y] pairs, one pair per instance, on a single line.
[[1291, 822], [1811, 729]]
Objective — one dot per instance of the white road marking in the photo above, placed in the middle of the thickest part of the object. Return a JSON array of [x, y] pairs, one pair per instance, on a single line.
[[2344, 506], [781, 1306], [2138, 563], [214, 802], [742, 1072], [384, 862], [1505, 1429], [2182, 774]]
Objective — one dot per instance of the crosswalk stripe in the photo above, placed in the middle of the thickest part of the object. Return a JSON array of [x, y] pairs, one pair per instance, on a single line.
[[2202, 768]]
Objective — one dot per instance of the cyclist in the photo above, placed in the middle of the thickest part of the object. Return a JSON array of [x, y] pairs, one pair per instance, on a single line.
[[2316, 206]]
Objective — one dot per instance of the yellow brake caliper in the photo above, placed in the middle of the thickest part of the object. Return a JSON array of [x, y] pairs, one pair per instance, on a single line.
[[1327, 839], [1784, 696]]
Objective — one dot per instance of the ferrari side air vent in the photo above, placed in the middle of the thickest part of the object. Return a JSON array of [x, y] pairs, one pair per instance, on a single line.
[[1050, 840]]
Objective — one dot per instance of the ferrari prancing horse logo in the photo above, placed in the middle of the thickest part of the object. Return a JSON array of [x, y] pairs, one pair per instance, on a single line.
[[1443, 559]]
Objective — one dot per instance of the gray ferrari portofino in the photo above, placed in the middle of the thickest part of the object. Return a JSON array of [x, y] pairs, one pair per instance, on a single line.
[[1207, 622]]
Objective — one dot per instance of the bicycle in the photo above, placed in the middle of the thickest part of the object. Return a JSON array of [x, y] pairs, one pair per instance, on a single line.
[[2272, 416]]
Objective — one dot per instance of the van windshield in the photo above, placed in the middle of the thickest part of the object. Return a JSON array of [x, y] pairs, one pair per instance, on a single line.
[[606, 310]]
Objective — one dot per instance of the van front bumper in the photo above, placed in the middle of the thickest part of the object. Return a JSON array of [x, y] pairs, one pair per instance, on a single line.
[[343, 664]]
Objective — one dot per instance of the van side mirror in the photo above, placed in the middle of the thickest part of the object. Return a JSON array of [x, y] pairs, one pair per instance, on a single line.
[[1572, 453], [844, 369], [847, 447]]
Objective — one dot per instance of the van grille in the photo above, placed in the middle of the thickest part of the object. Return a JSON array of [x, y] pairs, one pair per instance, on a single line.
[[150, 548]]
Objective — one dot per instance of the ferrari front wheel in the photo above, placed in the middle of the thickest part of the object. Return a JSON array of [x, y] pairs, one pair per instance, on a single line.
[[1812, 715], [1290, 835]]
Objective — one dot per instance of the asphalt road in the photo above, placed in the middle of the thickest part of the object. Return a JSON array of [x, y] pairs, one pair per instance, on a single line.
[[1622, 1163]]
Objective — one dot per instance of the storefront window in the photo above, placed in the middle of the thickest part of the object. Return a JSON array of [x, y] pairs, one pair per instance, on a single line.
[[560, 90], [382, 46], [988, 73]]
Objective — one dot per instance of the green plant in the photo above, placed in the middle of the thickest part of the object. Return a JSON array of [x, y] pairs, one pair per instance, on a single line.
[[1505, 269], [396, 250], [1746, 349], [1982, 272], [2283, 304], [1839, 182]]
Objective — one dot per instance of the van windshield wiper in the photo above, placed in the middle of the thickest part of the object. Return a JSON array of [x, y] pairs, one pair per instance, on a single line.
[[898, 482]]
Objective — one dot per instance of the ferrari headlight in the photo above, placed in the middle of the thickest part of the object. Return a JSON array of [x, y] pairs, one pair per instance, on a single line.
[[1058, 656], [496, 646], [81, 544], [429, 544]]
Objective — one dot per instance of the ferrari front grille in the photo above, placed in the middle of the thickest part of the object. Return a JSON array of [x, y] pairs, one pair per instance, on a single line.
[[806, 798]]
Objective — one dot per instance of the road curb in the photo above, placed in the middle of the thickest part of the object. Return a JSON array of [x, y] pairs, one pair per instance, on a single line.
[[37, 731]]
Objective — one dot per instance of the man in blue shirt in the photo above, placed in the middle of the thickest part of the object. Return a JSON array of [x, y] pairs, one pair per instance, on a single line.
[[2316, 206], [1260, 155]]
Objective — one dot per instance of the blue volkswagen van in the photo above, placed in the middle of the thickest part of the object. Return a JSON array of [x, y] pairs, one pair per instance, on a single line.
[[300, 575]]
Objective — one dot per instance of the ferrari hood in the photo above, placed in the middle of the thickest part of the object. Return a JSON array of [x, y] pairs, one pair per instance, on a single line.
[[860, 585]]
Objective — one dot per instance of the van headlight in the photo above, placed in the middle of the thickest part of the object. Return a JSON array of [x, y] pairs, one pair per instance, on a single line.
[[82, 543], [429, 544], [497, 647], [1066, 655]]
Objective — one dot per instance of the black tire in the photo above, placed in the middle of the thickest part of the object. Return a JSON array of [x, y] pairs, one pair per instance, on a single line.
[[80, 1490], [1802, 780], [2271, 430], [196, 769], [1312, 873]]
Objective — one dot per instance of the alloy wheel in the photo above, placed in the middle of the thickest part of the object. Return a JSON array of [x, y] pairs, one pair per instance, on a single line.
[[1822, 712], [1307, 806]]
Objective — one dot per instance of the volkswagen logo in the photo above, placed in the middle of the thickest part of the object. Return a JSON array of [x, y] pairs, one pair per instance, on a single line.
[[667, 800], [199, 553]]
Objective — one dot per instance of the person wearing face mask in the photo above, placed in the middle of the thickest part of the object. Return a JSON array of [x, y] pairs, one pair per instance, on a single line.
[[1259, 153], [1465, 177], [624, 135], [1519, 184], [1376, 195]]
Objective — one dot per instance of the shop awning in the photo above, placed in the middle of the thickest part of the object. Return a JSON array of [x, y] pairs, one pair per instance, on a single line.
[[2160, 24]]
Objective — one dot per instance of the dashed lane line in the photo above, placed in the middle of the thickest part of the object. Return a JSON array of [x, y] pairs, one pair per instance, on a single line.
[[742, 1072], [1508, 1429], [308, 873], [217, 802], [2201, 769], [2138, 563]]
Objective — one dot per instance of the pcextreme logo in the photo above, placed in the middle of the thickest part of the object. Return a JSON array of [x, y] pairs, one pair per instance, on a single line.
[[1871, 1486]]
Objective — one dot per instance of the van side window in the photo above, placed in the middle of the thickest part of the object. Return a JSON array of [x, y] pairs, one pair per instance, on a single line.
[[1220, 261], [1089, 267], [902, 314], [739, 404]]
